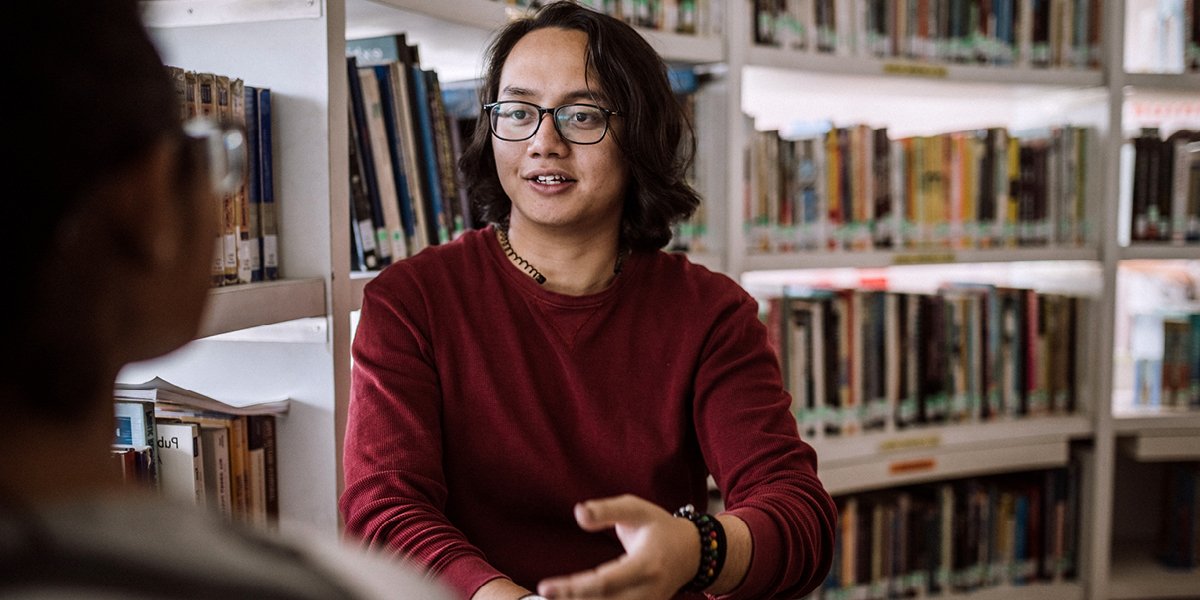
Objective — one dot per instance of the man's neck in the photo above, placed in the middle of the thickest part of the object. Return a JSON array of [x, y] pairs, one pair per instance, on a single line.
[[573, 265]]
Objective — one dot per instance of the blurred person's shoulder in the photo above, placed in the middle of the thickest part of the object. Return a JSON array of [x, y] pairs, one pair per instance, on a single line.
[[134, 548]]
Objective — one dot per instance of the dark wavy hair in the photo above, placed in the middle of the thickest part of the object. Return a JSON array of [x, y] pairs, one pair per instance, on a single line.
[[657, 139]]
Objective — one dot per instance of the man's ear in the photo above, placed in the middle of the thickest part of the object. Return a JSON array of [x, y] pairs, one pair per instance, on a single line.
[[127, 213]]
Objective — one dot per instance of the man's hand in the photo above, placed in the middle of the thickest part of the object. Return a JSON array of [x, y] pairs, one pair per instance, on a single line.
[[662, 553]]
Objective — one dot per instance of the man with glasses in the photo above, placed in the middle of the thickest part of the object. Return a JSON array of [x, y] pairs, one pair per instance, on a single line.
[[537, 405], [109, 246]]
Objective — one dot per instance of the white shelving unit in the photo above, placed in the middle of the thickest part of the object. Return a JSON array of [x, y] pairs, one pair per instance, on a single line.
[[779, 87], [286, 338], [882, 460], [292, 338], [1138, 441]]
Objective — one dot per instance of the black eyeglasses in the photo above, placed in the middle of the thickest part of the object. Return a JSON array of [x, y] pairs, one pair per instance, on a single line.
[[515, 121]]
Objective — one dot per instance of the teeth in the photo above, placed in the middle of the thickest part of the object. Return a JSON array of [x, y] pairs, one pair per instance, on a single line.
[[551, 179]]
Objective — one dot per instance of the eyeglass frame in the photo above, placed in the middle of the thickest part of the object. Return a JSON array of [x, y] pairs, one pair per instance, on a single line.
[[553, 112], [225, 151]]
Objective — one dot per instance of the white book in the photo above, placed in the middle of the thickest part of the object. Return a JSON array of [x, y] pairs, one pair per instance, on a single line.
[[215, 452], [182, 474]]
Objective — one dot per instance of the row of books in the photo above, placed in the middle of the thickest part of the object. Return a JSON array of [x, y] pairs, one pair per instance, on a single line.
[[858, 360], [1179, 531], [1027, 33], [1165, 347], [1166, 186], [699, 17], [246, 248], [957, 536], [406, 190], [856, 188], [194, 449]]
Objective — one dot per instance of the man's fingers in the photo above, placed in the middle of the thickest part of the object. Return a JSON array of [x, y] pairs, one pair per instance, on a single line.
[[604, 513], [612, 579]]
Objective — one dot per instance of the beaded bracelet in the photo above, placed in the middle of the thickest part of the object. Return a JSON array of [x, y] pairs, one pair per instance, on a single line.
[[712, 547]]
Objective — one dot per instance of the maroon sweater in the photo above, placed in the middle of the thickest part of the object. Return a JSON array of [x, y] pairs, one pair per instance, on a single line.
[[483, 407]]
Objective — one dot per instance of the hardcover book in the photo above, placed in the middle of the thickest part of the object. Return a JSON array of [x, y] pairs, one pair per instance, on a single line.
[[253, 187], [360, 136], [179, 445], [214, 446], [268, 211], [381, 154]]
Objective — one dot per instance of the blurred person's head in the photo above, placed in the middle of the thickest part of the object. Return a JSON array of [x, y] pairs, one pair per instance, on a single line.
[[109, 243]]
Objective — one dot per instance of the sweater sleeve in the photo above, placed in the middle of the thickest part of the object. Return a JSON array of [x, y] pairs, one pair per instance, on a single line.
[[766, 473], [395, 492]]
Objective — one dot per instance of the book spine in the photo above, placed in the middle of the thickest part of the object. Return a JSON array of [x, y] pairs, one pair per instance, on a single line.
[[267, 442], [429, 155], [455, 221], [239, 469], [206, 106], [215, 449], [406, 128], [381, 153], [394, 124], [229, 209], [366, 163], [365, 253], [253, 185], [268, 213], [256, 481], [241, 200], [178, 445]]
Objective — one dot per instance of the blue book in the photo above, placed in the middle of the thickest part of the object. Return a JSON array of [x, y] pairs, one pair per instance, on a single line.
[[1020, 539], [389, 97], [267, 217], [430, 154], [253, 183]]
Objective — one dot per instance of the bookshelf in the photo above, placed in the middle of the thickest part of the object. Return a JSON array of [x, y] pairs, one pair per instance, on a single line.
[[1146, 441], [779, 86], [286, 338], [292, 338]]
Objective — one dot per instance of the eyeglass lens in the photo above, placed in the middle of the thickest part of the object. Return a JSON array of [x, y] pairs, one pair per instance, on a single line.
[[224, 150], [515, 121]]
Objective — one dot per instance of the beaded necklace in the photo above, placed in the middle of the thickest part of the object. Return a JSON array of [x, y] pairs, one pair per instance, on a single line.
[[502, 235]]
